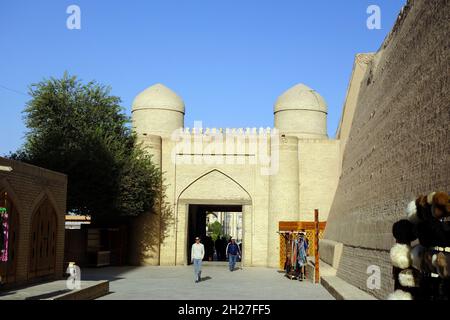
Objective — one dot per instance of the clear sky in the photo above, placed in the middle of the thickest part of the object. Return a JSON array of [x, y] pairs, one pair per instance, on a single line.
[[229, 60]]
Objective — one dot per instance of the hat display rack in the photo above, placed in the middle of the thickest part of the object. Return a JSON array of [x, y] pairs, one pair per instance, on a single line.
[[4, 232], [421, 255], [292, 270]]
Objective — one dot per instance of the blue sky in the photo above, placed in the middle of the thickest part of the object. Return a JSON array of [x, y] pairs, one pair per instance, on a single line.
[[229, 60]]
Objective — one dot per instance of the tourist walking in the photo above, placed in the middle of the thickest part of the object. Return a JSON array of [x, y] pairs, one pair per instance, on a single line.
[[232, 253], [197, 255]]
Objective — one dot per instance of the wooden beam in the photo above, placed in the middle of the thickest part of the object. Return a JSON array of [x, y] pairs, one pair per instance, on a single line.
[[316, 240], [299, 225]]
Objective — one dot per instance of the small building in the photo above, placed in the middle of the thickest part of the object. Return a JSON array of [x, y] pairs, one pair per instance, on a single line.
[[93, 245], [33, 202]]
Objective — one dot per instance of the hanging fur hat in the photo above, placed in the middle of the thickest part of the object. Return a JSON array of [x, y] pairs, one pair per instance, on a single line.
[[441, 261], [411, 212], [430, 197], [418, 210], [403, 231], [433, 232], [409, 278], [400, 295], [421, 259], [401, 256], [440, 204]]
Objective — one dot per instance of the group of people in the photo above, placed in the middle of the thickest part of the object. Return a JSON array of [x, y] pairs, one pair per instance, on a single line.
[[217, 247], [232, 253]]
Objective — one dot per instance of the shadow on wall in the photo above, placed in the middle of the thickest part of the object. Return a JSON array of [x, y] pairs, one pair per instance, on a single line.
[[148, 231]]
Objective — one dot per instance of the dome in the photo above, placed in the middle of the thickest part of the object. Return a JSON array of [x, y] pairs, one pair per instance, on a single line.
[[160, 97], [300, 97]]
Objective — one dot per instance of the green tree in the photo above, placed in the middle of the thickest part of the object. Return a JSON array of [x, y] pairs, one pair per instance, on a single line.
[[81, 130], [216, 230]]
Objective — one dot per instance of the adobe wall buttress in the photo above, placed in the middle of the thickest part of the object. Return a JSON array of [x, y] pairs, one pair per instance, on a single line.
[[398, 143]]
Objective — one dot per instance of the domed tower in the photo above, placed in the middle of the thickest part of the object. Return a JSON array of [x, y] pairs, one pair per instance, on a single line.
[[301, 112], [157, 111]]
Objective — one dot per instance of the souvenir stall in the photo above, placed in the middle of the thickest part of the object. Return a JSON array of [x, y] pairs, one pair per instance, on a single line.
[[298, 241], [4, 225], [4, 234], [296, 253]]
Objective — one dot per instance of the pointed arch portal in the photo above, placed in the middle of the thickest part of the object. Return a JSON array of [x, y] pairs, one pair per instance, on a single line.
[[217, 192]]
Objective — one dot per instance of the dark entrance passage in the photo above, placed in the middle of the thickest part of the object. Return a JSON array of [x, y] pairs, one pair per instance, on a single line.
[[214, 224]]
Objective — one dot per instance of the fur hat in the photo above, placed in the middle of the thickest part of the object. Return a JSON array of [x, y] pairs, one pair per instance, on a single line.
[[418, 210], [401, 256], [411, 212], [433, 232], [441, 262], [440, 204], [421, 259], [409, 278], [430, 197], [400, 295], [403, 232], [423, 208]]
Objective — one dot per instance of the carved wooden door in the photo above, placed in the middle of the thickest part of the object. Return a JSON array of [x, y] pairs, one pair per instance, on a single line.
[[43, 242]]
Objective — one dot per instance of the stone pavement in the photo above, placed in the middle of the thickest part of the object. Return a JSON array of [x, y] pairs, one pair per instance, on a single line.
[[177, 283], [56, 290], [339, 288]]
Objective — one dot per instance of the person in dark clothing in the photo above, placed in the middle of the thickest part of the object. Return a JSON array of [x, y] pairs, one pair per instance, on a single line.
[[218, 246], [209, 248], [223, 248], [232, 253]]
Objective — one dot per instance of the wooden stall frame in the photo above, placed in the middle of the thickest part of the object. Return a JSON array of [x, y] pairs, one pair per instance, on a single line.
[[314, 231]]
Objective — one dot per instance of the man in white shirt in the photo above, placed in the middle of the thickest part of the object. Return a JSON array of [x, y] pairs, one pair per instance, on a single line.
[[197, 255]]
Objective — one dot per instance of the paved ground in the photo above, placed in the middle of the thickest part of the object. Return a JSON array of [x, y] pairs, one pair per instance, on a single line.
[[42, 291], [177, 283]]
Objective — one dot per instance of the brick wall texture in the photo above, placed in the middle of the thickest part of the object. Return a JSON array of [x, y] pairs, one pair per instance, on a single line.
[[28, 186], [399, 140]]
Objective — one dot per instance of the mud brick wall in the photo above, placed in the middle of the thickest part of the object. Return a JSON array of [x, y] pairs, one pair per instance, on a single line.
[[28, 186], [399, 140]]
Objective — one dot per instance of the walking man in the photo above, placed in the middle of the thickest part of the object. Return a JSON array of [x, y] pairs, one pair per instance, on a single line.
[[197, 255], [232, 252]]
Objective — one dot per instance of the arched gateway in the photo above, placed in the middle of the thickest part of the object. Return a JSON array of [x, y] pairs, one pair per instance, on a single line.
[[269, 175], [213, 191]]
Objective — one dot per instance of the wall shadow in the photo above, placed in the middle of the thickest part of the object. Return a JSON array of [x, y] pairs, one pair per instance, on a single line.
[[148, 231]]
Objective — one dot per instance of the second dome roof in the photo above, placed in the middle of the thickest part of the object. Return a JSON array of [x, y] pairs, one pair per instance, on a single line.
[[300, 97]]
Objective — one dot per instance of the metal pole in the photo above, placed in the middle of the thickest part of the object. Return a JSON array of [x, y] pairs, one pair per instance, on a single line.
[[316, 246]]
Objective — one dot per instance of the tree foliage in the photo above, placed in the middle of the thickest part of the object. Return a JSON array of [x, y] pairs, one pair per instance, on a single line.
[[81, 130], [216, 230]]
